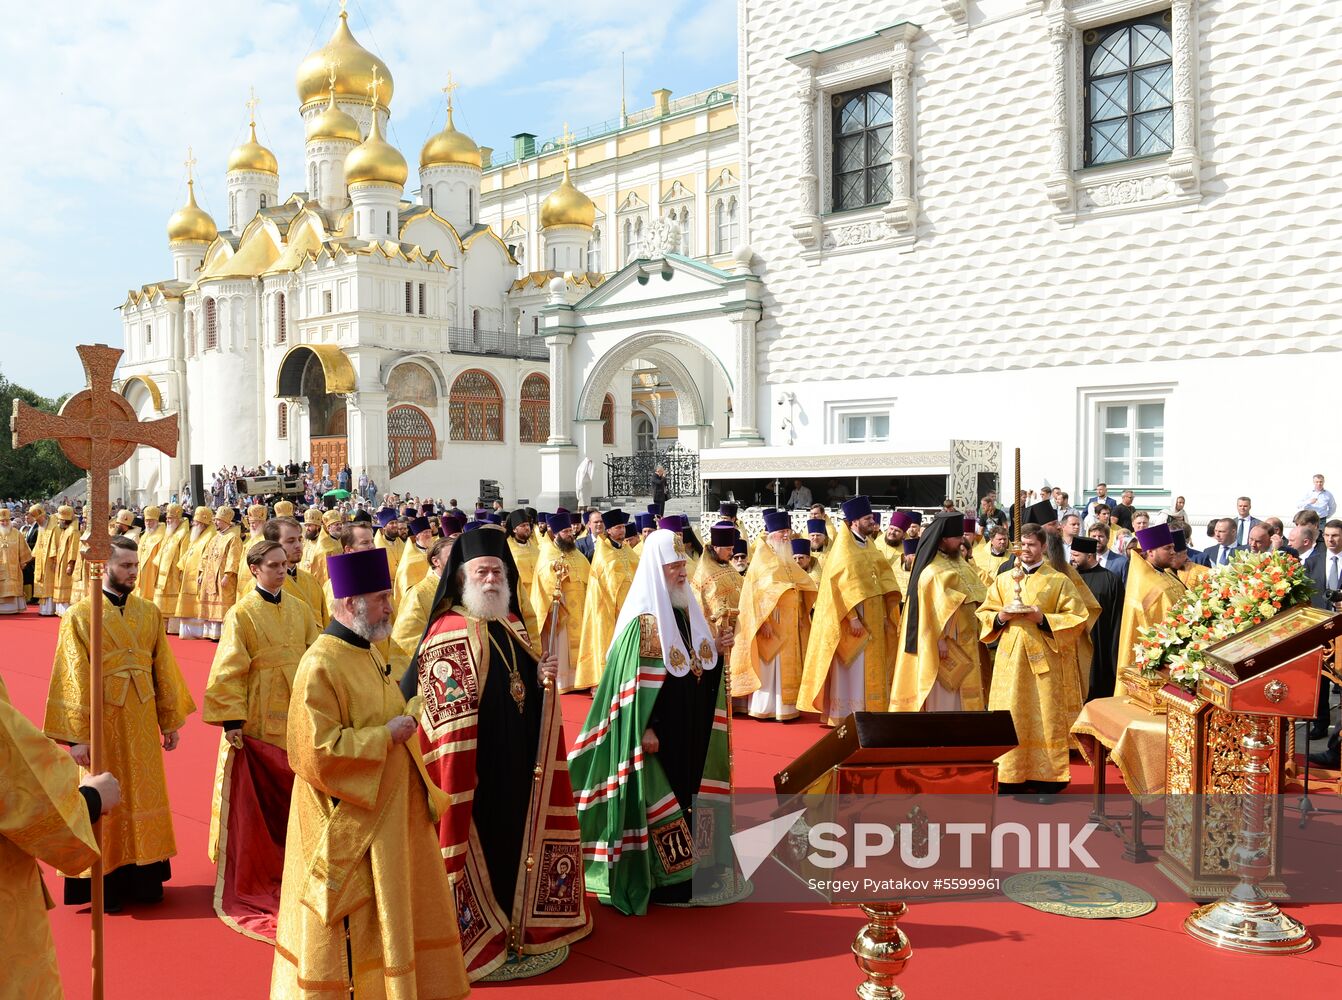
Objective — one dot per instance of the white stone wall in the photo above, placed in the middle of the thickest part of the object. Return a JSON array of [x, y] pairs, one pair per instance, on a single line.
[[1008, 315]]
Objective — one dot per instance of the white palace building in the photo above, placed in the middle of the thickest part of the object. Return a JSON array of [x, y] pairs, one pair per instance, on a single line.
[[911, 237]]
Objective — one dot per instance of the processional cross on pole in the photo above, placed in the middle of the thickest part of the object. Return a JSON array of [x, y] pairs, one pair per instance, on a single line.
[[98, 431]]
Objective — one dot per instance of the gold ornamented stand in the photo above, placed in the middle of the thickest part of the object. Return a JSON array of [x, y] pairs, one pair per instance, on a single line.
[[881, 951]]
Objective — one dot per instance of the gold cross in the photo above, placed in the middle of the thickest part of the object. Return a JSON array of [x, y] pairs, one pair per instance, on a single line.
[[331, 68], [189, 163], [98, 431], [450, 89], [376, 85], [566, 140], [342, 7], [252, 102]]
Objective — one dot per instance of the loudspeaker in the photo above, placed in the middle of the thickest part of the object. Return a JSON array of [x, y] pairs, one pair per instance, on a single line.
[[198, 485]]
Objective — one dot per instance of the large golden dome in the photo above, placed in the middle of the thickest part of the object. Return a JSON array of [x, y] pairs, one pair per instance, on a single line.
[[333, 123], [567, 206], [191, 223], [376, 160], [450, 148], [354, 70], [251, 155]]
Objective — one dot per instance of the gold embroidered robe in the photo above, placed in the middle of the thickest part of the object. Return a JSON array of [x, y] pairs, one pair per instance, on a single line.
[[193, 551], [43, 818], [946, 610], [147, 582], [717, 587], [569, 618], [410, 570], [44, 559], [778, 592], [14, 555], [362, 866], [1147, 600], [218, 575], [144, 696], [612, 572], [305, 587], [168, 576], [1034, 673], [315, 553], [412, 617], [67, 562]]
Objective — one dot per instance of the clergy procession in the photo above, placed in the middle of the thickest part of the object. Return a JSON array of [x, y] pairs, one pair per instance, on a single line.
[[397, 807]]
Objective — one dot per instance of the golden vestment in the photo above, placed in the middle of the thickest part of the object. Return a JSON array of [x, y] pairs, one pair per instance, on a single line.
[[717, 587], [168, 577], [246, 582], [1190, 576], [573, 591], [524, 557], [1147, 600], [782, 594], [315, 553], [947, 608], [306, 588], [613, 571], [193, 551], [394, 550], [412, 568], [144, 696], [412, 617], [857, 579], [366, 908], [14, 555], [44, 818], [1034, 673], [150, 543], [218, 574], [67, 562], [44, 560]]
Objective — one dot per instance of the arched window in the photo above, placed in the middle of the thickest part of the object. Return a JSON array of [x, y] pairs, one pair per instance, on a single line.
[[1129, 90], [389, 224], [727, 225], [862, 125], [312, 182], [282, 421], [232, 210], [428, 193], [470, 205], [211, 325], [608, 419], [281, 320], [475, 407], [533, 418], [645, 435], [410, 438], [594, 252], [263, 201]]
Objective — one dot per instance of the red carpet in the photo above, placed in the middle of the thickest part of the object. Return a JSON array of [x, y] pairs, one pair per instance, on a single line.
[[180, 949]]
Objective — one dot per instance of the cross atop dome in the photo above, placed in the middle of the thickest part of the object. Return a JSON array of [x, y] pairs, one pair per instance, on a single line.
[[252, 102], [189, 163], [450, 89]]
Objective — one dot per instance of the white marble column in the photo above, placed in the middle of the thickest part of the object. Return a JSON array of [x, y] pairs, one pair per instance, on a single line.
[[902, 212], [1059, 184], [1184, 164], [745, 427], [561, 410], [806, 227]]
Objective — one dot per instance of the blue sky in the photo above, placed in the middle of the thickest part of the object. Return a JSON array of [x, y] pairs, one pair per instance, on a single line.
[[112, 94]]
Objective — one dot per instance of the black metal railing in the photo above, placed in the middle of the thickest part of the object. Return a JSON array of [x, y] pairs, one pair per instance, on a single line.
[[497, 343], [631, 475]]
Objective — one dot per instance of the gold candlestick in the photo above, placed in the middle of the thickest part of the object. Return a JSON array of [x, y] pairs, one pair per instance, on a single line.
[[881, 951]]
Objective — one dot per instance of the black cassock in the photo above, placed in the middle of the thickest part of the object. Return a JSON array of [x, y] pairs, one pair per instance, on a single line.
[[1108, 590]]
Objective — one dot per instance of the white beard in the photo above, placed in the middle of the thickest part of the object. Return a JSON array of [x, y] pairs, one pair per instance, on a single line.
[[5, 529], [782, 549], [364, 629], [680, 595], [479, 604], [196, 529]]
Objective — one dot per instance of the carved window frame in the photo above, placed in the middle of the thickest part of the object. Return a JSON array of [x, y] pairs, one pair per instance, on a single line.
[[1169, 180], [886, 56]]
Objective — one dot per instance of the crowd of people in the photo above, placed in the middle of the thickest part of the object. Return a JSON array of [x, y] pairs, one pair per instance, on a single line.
[[397, 667]]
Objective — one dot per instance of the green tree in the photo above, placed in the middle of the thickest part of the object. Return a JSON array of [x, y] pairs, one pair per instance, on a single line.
[[41, 469]]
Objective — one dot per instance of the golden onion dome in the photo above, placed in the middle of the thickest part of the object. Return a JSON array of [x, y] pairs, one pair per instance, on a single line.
[[376, 160], [450, 148], [333, 123], [567, 206], [251, 155], [354, 65], [191, 223]]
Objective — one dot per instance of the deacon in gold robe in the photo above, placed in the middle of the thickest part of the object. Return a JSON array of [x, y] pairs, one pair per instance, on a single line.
[[219, 573], [47, 816], [776, 601], [560, 570], [366, 907], [850, 659], [890, 542], [939, 669], [150, 542], [1076, 642], [613, 568], [168, 573], [990, 556], [414, 562], [44, 560], [252, 532], [145, 703], [302, 584], [716, 584], [1034, 675], [313, 556], [190, 624], [1151, 591], [14, 555], [523, 547], [412, 616], [66, 547], [1190, 574]]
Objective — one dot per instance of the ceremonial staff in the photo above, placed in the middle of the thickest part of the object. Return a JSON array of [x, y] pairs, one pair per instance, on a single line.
[[98, 431], [1017, 606]]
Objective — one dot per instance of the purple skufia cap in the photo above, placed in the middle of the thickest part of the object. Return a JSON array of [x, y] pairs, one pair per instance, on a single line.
[[669, 523], [1180, 542], [778, 520], [722, 535], [971, 525], [910, 546], [481, 513], [562, 510], [494, 517], [426, 508], [740, 548], [727, 509], [409, 512], [385, 516], [419, 524], [815, 526], [558, 522], [355, 573], [451, 524], [615, 518], [643, 522], [856, 508], [1155, 537], [900, 520], [801, 546], [575, 519], [473, 526]]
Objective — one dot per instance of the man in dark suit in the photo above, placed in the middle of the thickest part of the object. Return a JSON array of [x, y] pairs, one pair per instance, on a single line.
[[1244, 521], [1226, 546], [1114, 562], [596, 526], [1327, 577]]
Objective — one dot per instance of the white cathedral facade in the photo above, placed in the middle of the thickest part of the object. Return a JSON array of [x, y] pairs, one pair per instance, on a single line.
[[1097, 230]]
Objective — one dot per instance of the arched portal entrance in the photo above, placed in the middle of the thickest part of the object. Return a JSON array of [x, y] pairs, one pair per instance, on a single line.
[[316, 378]]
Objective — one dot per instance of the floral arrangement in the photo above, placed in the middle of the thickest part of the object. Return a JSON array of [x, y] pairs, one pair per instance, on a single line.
[[1250, 589]]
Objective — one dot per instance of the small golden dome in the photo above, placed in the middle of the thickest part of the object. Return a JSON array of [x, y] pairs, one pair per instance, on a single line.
[[191, 223], [567, 206], [333, 123], [355, 66], [376, 160], [450, 148], [251, 155]]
